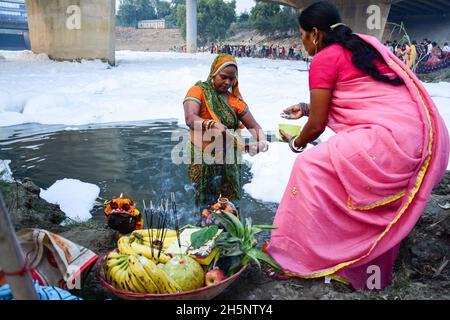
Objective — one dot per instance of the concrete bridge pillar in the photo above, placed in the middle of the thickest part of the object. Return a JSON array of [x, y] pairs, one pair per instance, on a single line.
[[191, 26], [363, 16], [73, 29]]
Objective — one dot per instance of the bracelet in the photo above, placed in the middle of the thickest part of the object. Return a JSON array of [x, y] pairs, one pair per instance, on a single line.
[[293, 147], [211, 124], [265, 147], [304, 107]]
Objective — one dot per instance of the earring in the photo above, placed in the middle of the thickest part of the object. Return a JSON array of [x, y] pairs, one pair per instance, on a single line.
[[315, 46]]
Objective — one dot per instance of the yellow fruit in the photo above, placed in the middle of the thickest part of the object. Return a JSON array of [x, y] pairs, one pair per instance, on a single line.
[[112, 267], [146, 233], [138, 270], [159, 277], [134, 283], [116, 276], [150, 253], [114, 255], [123, 244], [123, 276], [163, 258], [167, 241]]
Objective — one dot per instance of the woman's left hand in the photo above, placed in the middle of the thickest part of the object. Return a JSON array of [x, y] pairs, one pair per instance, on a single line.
[[257, 147]]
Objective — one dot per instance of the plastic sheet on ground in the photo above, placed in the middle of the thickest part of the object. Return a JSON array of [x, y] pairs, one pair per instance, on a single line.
[[44, 293]]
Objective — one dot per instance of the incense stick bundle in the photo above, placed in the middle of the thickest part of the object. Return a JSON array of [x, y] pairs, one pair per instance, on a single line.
[[159, 219], [151, 226], [174, 210], [164, 229]]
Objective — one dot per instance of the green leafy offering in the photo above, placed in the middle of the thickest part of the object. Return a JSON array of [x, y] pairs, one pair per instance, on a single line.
[[291, 129], [239, 241], [202, 236]]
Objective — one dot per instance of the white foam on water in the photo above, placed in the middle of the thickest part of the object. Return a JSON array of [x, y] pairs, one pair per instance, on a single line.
[[74, 197], [149, 86]]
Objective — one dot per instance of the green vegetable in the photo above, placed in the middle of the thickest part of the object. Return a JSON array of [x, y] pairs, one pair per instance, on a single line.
[[202, 236], [185, 271], [239, 240]]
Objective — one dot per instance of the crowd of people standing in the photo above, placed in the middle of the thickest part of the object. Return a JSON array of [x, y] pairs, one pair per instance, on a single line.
[[424, 54], [266, 50], [269, 51], [423, 57]]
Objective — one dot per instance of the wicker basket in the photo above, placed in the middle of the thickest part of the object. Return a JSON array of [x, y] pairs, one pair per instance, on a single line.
[[204, 293]]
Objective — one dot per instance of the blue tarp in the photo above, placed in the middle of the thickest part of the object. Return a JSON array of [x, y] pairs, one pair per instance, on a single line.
[[44, 293]]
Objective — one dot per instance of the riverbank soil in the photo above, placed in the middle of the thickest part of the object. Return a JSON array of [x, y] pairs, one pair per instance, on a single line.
[[155, 40], [422, 269]]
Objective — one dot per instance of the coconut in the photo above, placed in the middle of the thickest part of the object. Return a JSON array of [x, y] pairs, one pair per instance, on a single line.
[[185, 271]]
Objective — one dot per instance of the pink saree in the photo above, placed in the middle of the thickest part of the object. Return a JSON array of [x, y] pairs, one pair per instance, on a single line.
[[351, 201]]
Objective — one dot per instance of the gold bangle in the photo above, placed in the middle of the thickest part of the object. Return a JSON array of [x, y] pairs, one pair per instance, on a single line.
[[210, 124]]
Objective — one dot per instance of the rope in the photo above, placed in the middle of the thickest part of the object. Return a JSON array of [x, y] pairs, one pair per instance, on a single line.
[[21, 272]]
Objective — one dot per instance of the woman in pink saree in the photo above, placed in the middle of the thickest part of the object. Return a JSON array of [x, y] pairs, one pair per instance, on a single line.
[[351, 201]]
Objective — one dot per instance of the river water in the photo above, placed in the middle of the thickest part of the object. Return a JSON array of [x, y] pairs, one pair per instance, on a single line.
[[129, 158]]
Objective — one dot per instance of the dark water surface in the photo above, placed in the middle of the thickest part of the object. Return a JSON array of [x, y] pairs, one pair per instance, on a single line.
[[134, 159]]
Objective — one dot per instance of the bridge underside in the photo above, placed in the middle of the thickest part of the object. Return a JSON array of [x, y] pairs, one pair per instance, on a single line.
[[354, 12], [418, 8], [398, 7], [422, 19]]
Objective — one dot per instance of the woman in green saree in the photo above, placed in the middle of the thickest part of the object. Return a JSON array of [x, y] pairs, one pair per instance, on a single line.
[[215, 112]]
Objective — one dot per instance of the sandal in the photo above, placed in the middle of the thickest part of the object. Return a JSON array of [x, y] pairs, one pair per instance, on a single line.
[[276, 275], [272, 273]]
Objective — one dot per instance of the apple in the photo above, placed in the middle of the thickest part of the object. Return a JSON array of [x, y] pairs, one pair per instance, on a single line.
[[214, 276]]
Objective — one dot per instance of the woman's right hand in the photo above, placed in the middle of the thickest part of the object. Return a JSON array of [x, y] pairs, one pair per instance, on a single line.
[[294, 112], [220, 127], [284, 135]]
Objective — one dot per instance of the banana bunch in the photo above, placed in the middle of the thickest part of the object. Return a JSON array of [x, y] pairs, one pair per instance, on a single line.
[[145, 233], [163, 282], [131, 245], [140, 280], [137, 274], [116, 270], [144, 237]]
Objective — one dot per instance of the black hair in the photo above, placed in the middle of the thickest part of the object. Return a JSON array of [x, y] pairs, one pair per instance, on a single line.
[[323, 15], [434, 44], [414, 42]]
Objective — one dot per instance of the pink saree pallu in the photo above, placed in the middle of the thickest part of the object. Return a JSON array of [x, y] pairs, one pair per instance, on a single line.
[[351, 201]]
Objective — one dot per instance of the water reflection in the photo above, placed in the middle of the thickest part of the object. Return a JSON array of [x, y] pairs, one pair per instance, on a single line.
[[130, 159]]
